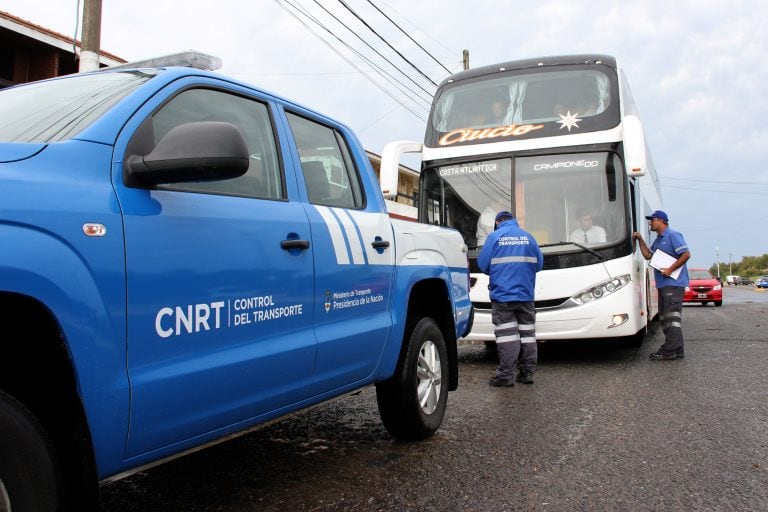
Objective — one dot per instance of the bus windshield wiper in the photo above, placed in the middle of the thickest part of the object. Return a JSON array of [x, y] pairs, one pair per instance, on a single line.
[[589, 250]]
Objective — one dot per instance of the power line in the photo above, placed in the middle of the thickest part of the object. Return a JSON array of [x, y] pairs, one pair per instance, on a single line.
[[284, 7], [377, 53], [719, 191], [417, 27], [342, 2], [733, 226], [361, 130], [717, 181], [409, 36], [77, 27], [409, 93], [329, 73]]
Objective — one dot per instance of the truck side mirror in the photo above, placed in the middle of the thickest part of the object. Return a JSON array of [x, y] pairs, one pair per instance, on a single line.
[[197, 151]]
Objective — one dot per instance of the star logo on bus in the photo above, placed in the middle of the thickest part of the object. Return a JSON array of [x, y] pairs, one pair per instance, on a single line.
[[569, 120]]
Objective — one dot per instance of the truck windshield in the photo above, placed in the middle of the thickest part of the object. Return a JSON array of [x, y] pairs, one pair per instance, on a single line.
[[570, 202], [56, 110]]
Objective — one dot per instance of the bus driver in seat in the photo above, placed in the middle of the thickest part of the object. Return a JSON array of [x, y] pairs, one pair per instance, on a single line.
[[587, 233]]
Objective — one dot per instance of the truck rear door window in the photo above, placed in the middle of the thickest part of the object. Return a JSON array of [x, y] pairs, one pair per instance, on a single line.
[[329, 172]]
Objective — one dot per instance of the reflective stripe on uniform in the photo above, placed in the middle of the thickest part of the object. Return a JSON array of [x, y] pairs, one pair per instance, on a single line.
[[506, 332], [514, 259], [507, 339]]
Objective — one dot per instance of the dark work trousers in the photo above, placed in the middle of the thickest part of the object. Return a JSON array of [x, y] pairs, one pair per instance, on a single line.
[[671, 318], [515, 331]]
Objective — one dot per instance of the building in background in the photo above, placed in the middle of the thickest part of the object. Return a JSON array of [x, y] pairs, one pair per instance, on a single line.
[[404, 205], [29, 52]]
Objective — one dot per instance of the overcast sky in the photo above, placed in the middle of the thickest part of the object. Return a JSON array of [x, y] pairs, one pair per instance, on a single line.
[[697, 69]]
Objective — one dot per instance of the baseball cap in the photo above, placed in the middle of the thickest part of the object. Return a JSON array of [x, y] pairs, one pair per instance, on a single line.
[[504, 215], [658, 214]]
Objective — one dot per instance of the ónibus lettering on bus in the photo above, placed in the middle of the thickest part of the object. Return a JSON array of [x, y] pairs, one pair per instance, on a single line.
[[469, 134]]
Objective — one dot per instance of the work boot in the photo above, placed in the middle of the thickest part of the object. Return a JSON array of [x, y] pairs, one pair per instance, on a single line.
[[660, 356], [525, 377], [500, 383]]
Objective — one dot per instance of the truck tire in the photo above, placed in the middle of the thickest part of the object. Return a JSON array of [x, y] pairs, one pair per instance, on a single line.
[[30, 479], [412, 403]]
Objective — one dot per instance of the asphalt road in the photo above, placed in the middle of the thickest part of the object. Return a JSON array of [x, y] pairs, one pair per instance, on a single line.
[[602, 429]]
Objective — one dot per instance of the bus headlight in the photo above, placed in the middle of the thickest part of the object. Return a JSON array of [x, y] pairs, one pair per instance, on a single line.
[[617, 320], [601, 290]]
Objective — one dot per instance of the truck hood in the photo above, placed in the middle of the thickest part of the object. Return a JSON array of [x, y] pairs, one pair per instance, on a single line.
[[13, 152]]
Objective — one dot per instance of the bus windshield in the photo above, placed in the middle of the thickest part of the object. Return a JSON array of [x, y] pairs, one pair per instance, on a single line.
[[568, 202], [529, 103]]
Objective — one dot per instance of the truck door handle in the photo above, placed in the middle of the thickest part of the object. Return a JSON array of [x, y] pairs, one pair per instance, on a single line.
[[380, 244], [294, 244]]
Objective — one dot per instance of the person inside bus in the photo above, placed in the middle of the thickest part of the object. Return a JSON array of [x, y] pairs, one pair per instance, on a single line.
[[579, 109], [587, 233], [498, 113], [560, 110], [586, 108], [486, 222]]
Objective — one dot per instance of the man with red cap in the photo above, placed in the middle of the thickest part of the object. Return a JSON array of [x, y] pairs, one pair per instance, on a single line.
[[670, 289], [511, 257]]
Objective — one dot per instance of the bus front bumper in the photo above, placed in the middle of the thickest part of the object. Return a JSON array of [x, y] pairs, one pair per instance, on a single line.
[[582, 322]]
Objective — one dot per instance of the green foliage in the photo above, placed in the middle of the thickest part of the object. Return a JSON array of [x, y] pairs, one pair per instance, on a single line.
[[750, 266]]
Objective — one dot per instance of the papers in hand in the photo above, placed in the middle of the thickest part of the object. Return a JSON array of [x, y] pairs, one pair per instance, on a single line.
[[661, 260]]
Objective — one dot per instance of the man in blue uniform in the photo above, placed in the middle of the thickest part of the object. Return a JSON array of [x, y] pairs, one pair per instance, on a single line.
[[670, 285], [511, 257]]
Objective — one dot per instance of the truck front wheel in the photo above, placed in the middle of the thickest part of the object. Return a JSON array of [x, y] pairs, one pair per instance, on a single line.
[[412, 403], [30, 480]]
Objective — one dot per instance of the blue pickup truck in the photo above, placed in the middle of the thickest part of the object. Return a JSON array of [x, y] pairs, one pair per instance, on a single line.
[[185, 257]]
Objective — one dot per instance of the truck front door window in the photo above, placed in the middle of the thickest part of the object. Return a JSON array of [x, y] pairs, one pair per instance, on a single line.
[[263, 178]]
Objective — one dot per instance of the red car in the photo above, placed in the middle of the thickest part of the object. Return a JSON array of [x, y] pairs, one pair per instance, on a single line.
[[703, 288]]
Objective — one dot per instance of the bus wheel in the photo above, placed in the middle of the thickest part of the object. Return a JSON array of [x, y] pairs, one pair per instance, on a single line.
[[30, 479], [412, 403]]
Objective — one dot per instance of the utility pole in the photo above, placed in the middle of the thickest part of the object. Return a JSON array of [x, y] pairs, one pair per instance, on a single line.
[[466, 59], [91, 38], [730, 263], [717, 259]]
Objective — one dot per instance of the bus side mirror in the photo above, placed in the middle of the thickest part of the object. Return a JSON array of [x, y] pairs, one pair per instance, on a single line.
[[635, 155], [390, 164]]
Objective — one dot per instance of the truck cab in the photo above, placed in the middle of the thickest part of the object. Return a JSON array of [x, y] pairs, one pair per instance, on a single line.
[[191, 258]]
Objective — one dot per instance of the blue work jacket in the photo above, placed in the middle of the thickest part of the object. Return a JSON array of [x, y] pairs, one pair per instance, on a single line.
[[511, 257], [672, 243]]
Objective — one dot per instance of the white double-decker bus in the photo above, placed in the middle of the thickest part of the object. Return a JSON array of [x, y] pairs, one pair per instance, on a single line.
[[558, 142]]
